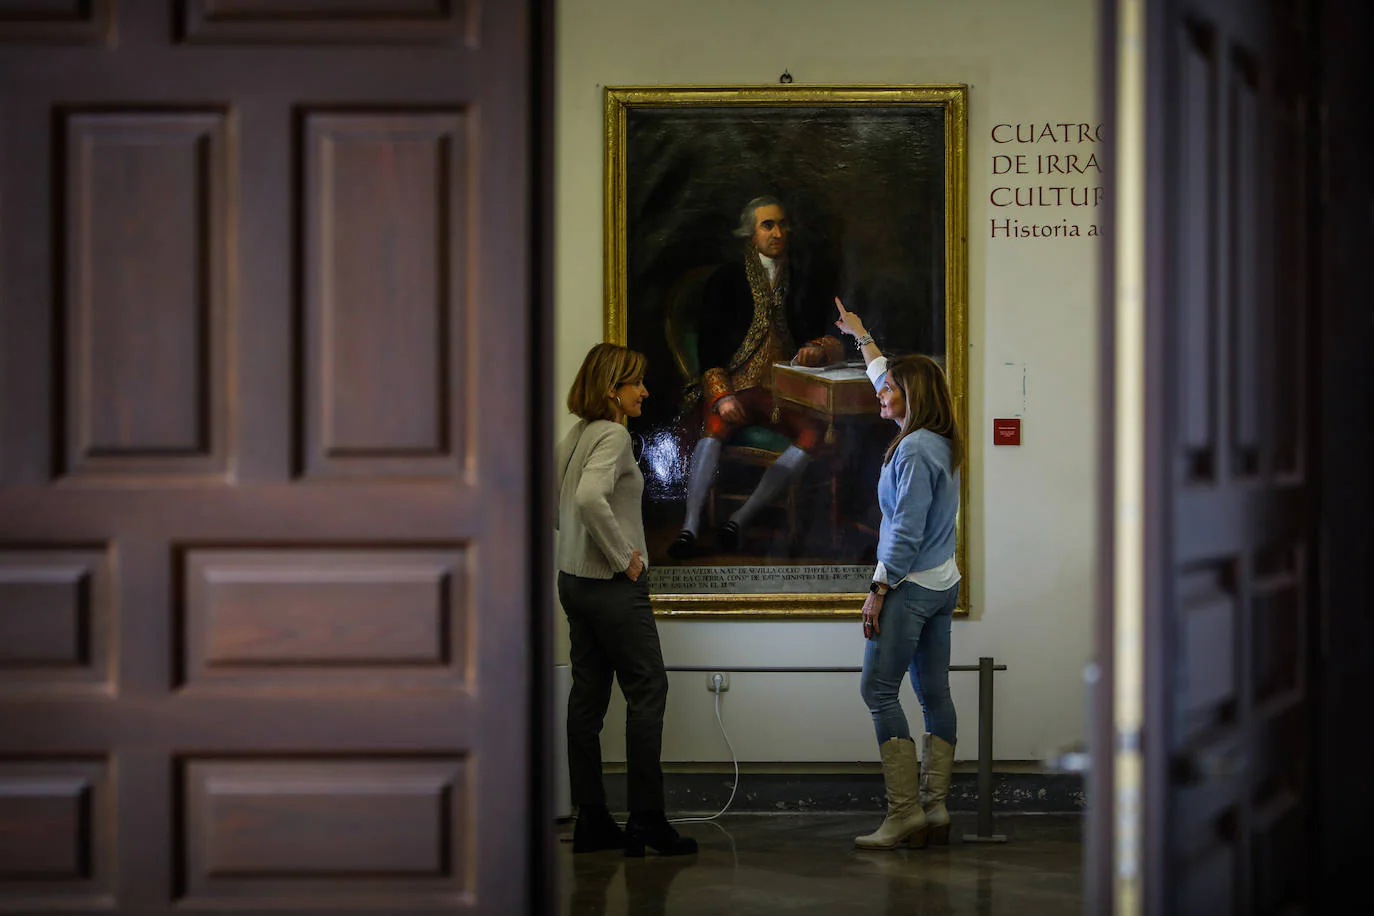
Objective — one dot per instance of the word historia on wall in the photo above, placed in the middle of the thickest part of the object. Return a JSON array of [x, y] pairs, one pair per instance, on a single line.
[[1047, 180]]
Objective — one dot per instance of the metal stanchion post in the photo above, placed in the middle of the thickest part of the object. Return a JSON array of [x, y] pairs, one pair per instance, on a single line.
[[984, 834]]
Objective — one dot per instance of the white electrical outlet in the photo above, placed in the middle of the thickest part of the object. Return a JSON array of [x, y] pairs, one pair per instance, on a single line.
[[711, 681]]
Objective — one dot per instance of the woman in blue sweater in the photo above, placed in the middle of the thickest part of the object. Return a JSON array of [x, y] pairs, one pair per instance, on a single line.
[[910, 604]]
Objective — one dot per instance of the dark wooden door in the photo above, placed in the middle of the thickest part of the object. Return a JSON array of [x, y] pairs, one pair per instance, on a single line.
[[1227, 685], [1227, 556], [265, 456]]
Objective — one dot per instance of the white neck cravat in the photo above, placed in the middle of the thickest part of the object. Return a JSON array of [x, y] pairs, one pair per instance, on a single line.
[[770, 265]]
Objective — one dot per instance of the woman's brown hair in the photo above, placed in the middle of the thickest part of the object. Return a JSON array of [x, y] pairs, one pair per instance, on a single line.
[[929, 404], [605, 367]]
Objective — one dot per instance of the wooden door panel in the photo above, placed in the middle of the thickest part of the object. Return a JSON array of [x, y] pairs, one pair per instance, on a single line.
[[1286, 333], [1206, 880], [56, 833], [1279, 645], [385, 833], [249, 508], [278, 618], [1249, 382], [59, 22], [145, 226], [1206, 664], [386, 205], [57, 615], [381, 22], [1194, 252], [1277, 843]]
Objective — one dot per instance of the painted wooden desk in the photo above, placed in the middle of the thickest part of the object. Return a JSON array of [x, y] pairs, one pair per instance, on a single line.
[[843, 392], [842, 396]]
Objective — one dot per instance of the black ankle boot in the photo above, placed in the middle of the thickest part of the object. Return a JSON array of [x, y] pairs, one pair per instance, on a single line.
[[651, 829], [596, 830]]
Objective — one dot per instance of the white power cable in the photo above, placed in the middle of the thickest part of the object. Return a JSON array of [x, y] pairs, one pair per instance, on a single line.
[[733, 789]]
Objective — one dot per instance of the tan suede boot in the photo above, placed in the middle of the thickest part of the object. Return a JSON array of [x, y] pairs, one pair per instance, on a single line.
[[905, 821], [937, 755]]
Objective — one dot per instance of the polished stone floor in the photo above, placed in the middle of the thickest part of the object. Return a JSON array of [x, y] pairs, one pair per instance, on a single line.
[[805, 865]]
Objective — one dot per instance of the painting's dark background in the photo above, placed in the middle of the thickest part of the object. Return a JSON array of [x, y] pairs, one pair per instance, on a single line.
[[864, 190]]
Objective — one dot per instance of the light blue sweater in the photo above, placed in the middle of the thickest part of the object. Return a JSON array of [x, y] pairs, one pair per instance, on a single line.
[[919, 499]]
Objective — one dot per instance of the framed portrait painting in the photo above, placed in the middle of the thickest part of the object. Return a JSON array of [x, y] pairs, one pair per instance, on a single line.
[[735, 217]]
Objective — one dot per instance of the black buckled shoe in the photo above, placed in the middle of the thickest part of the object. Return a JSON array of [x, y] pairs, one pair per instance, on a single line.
[[729, 536], [596, 830], [652, 830], [684, 546]]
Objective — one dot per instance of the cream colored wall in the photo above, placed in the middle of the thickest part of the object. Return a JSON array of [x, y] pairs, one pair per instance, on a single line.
[[1031, 305]]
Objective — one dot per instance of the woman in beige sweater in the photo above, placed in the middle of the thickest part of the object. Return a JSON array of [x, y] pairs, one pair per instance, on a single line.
[[605, 593]]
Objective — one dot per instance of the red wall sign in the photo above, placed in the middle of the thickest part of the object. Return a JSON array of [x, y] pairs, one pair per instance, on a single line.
[[1006, 432]]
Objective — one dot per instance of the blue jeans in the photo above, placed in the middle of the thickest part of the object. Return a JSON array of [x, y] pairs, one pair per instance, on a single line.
[[913, 634]]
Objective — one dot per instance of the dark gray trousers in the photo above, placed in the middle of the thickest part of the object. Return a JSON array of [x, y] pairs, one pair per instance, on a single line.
[[613, 635]]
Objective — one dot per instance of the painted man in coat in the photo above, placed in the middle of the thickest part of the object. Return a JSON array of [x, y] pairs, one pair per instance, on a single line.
[[753, 312]]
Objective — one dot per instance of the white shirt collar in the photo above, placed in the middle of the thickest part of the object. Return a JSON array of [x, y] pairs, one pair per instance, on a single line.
[[770, 265]]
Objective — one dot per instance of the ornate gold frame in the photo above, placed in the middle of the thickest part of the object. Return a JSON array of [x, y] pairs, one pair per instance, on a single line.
[[953, 99]]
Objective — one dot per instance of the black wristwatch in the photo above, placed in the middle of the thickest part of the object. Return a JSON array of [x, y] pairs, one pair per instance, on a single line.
[[875, 585]]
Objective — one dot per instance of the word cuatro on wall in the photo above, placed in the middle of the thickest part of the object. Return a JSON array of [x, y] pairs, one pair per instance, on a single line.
[[1066, 150], [1062, 132]]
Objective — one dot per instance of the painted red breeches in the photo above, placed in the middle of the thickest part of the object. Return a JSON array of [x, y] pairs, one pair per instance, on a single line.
[[804, 432]]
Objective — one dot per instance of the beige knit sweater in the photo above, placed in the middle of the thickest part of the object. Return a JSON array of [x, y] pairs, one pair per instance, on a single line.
[[600, 521]]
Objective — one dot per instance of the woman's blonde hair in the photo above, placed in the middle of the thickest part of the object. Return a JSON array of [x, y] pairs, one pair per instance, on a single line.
[[929, 404], [607, 366]]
